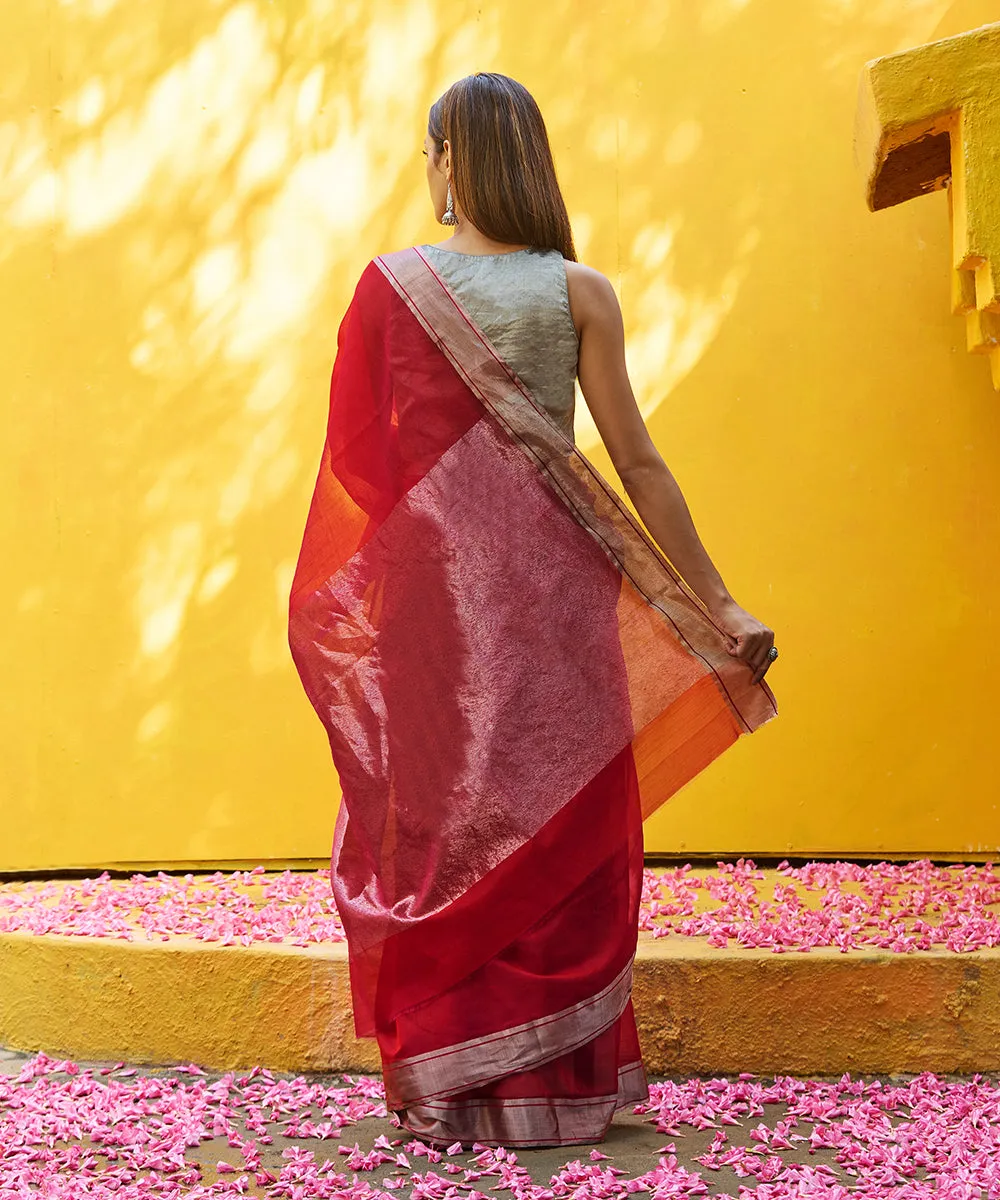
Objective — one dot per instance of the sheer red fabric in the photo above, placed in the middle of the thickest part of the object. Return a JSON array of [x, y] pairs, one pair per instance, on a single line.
[[511, 676]]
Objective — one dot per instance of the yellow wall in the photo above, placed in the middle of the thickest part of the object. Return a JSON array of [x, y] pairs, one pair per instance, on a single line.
[[188, 194]]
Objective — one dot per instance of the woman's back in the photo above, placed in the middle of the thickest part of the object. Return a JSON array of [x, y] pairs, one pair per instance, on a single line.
[[520, 300], [485, 631]]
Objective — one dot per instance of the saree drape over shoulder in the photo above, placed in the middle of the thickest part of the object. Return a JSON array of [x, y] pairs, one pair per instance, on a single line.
[[511, 676]]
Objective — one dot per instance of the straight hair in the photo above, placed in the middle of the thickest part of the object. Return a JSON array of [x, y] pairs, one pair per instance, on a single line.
[[502, 173]]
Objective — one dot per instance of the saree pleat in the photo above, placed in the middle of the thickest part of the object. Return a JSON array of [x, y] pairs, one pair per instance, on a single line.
[[549, 1048], [511, 676]]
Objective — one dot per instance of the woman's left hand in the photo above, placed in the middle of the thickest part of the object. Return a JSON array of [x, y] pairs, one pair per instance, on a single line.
[[752, 637]]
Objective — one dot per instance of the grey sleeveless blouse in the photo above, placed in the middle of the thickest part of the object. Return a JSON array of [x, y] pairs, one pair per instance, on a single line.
[[520, 300]]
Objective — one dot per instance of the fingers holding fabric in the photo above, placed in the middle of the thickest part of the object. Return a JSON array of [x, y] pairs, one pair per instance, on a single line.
[[753, 641]]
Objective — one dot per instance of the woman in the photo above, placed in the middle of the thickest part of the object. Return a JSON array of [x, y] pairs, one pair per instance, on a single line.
[[510, 673]]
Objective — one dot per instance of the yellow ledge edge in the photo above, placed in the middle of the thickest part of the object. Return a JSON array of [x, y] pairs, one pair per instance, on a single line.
[[699, 1009]]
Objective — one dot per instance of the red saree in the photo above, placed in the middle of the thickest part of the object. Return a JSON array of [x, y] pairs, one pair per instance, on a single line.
[[511, 677]]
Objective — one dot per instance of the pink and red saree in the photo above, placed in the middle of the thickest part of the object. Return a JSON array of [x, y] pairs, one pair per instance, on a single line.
[[511, 676]]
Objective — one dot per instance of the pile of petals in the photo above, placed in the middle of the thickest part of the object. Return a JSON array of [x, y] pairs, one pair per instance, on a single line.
[[900, 907], [72, 1132], [919, 1138]]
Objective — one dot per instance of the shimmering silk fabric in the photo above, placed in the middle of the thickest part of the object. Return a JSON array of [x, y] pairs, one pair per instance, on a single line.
[[511, 676]]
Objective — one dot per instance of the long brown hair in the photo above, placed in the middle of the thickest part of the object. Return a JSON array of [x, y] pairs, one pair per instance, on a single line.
[[502, 174]]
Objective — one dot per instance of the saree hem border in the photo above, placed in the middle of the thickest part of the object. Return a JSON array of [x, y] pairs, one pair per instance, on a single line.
[[437, 1074], [527, 1121]]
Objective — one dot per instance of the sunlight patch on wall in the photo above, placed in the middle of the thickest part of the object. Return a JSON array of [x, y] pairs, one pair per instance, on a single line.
[[217, 577], [27, 187], [310, 96], [682, 142], [88, 104], [715, 15], [397, 46], [309, 163], [30, 599], [582, 225], [668, 329], [154, 722], [284, 573], [324, 196], [94, 9], [603, 136], [273, 385], [908, 24], [471, 46], [879, 12], [898, 26], [215, 274], [266, 155], [185, 130], [166, 579], [268, 650]]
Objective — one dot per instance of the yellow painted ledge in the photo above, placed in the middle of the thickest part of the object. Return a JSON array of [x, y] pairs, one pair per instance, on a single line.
[[699, 1009], [929, 118]]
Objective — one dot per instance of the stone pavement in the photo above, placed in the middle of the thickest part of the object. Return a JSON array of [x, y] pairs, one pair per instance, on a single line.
[[645, 1158]]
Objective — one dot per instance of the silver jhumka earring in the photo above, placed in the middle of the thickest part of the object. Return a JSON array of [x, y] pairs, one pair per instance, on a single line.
[[449, 217]]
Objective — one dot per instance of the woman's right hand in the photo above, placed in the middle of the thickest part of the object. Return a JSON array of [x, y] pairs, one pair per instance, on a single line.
[[753, 639]]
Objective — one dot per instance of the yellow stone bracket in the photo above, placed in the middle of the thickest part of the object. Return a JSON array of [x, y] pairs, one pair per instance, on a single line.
[[929, 118]]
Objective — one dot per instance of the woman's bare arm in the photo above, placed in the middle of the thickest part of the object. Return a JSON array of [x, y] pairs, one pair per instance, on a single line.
[[645, 476]]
